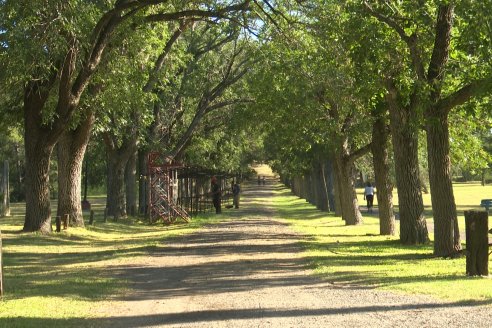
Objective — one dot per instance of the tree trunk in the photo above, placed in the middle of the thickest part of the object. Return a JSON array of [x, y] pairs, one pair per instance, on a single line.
[[313, 183], [131, 185], [446, 232], [39, 141], [323, 185], [330, 185], [71, 150], [115, 200], [117, 160], [1, 266], [38, 211], [404, 131], [348, 197], [303, 185], [297, 186], [5, 188], [381, 173], [337, 189], [310, 187]]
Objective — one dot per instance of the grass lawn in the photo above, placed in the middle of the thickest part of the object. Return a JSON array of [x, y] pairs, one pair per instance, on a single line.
[[358, 255], [59, 280]]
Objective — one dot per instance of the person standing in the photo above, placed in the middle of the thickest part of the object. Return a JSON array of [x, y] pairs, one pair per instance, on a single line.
[[369, 196], [216, 195], [236, 189]]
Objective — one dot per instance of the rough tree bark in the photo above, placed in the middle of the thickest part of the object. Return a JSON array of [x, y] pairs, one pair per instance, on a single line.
[[404, 131], [336, 189], [5, 189], [118, 157], [446, 232], [380, 139], [1, 266], [330, 184], [71, 150], [39, 144], [323, 187], [348, 197]]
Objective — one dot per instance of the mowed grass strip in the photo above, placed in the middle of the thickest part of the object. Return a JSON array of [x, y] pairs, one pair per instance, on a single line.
[[61, 279], [358, 255]]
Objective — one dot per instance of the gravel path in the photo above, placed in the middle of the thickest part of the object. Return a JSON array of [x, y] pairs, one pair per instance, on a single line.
[[249, 272]]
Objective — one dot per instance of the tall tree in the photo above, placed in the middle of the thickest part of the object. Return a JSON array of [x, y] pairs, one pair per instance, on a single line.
[[45, 50], [435, 94], [71, 150], [379, 149]]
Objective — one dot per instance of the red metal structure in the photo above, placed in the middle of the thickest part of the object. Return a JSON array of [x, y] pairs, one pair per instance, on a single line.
[[163, 191]]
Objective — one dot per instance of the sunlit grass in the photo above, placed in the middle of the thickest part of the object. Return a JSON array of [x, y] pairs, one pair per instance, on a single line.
[[59, 279], [467, 197], [358, 255]]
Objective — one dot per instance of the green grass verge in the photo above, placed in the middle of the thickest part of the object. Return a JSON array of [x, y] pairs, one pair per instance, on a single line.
[[358, 255], [59, 280]]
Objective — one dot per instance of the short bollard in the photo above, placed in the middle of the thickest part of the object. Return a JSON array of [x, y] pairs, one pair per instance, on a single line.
[[477, 243]]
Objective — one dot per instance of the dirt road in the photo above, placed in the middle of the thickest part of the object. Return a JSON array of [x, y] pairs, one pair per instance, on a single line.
[[249, 272]]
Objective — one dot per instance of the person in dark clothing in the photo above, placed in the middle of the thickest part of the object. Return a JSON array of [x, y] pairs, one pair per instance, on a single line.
[[216, 195]]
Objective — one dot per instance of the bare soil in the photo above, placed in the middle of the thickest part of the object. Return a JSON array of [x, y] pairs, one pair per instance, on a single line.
[[249, 272]]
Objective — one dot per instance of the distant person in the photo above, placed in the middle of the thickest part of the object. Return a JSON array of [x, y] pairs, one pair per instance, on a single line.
[[216, 195], [259, 180], [369, 196], [263, 180], [236, 190]]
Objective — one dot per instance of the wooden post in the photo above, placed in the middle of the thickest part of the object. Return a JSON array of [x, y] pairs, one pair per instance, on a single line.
[[1, 266], [91, 218], [105, 214], [66, 219], [58, 223], [477, 243]]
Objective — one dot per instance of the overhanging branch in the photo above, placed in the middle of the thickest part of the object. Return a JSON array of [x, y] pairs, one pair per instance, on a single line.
[[473, 89], [410, 40]]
